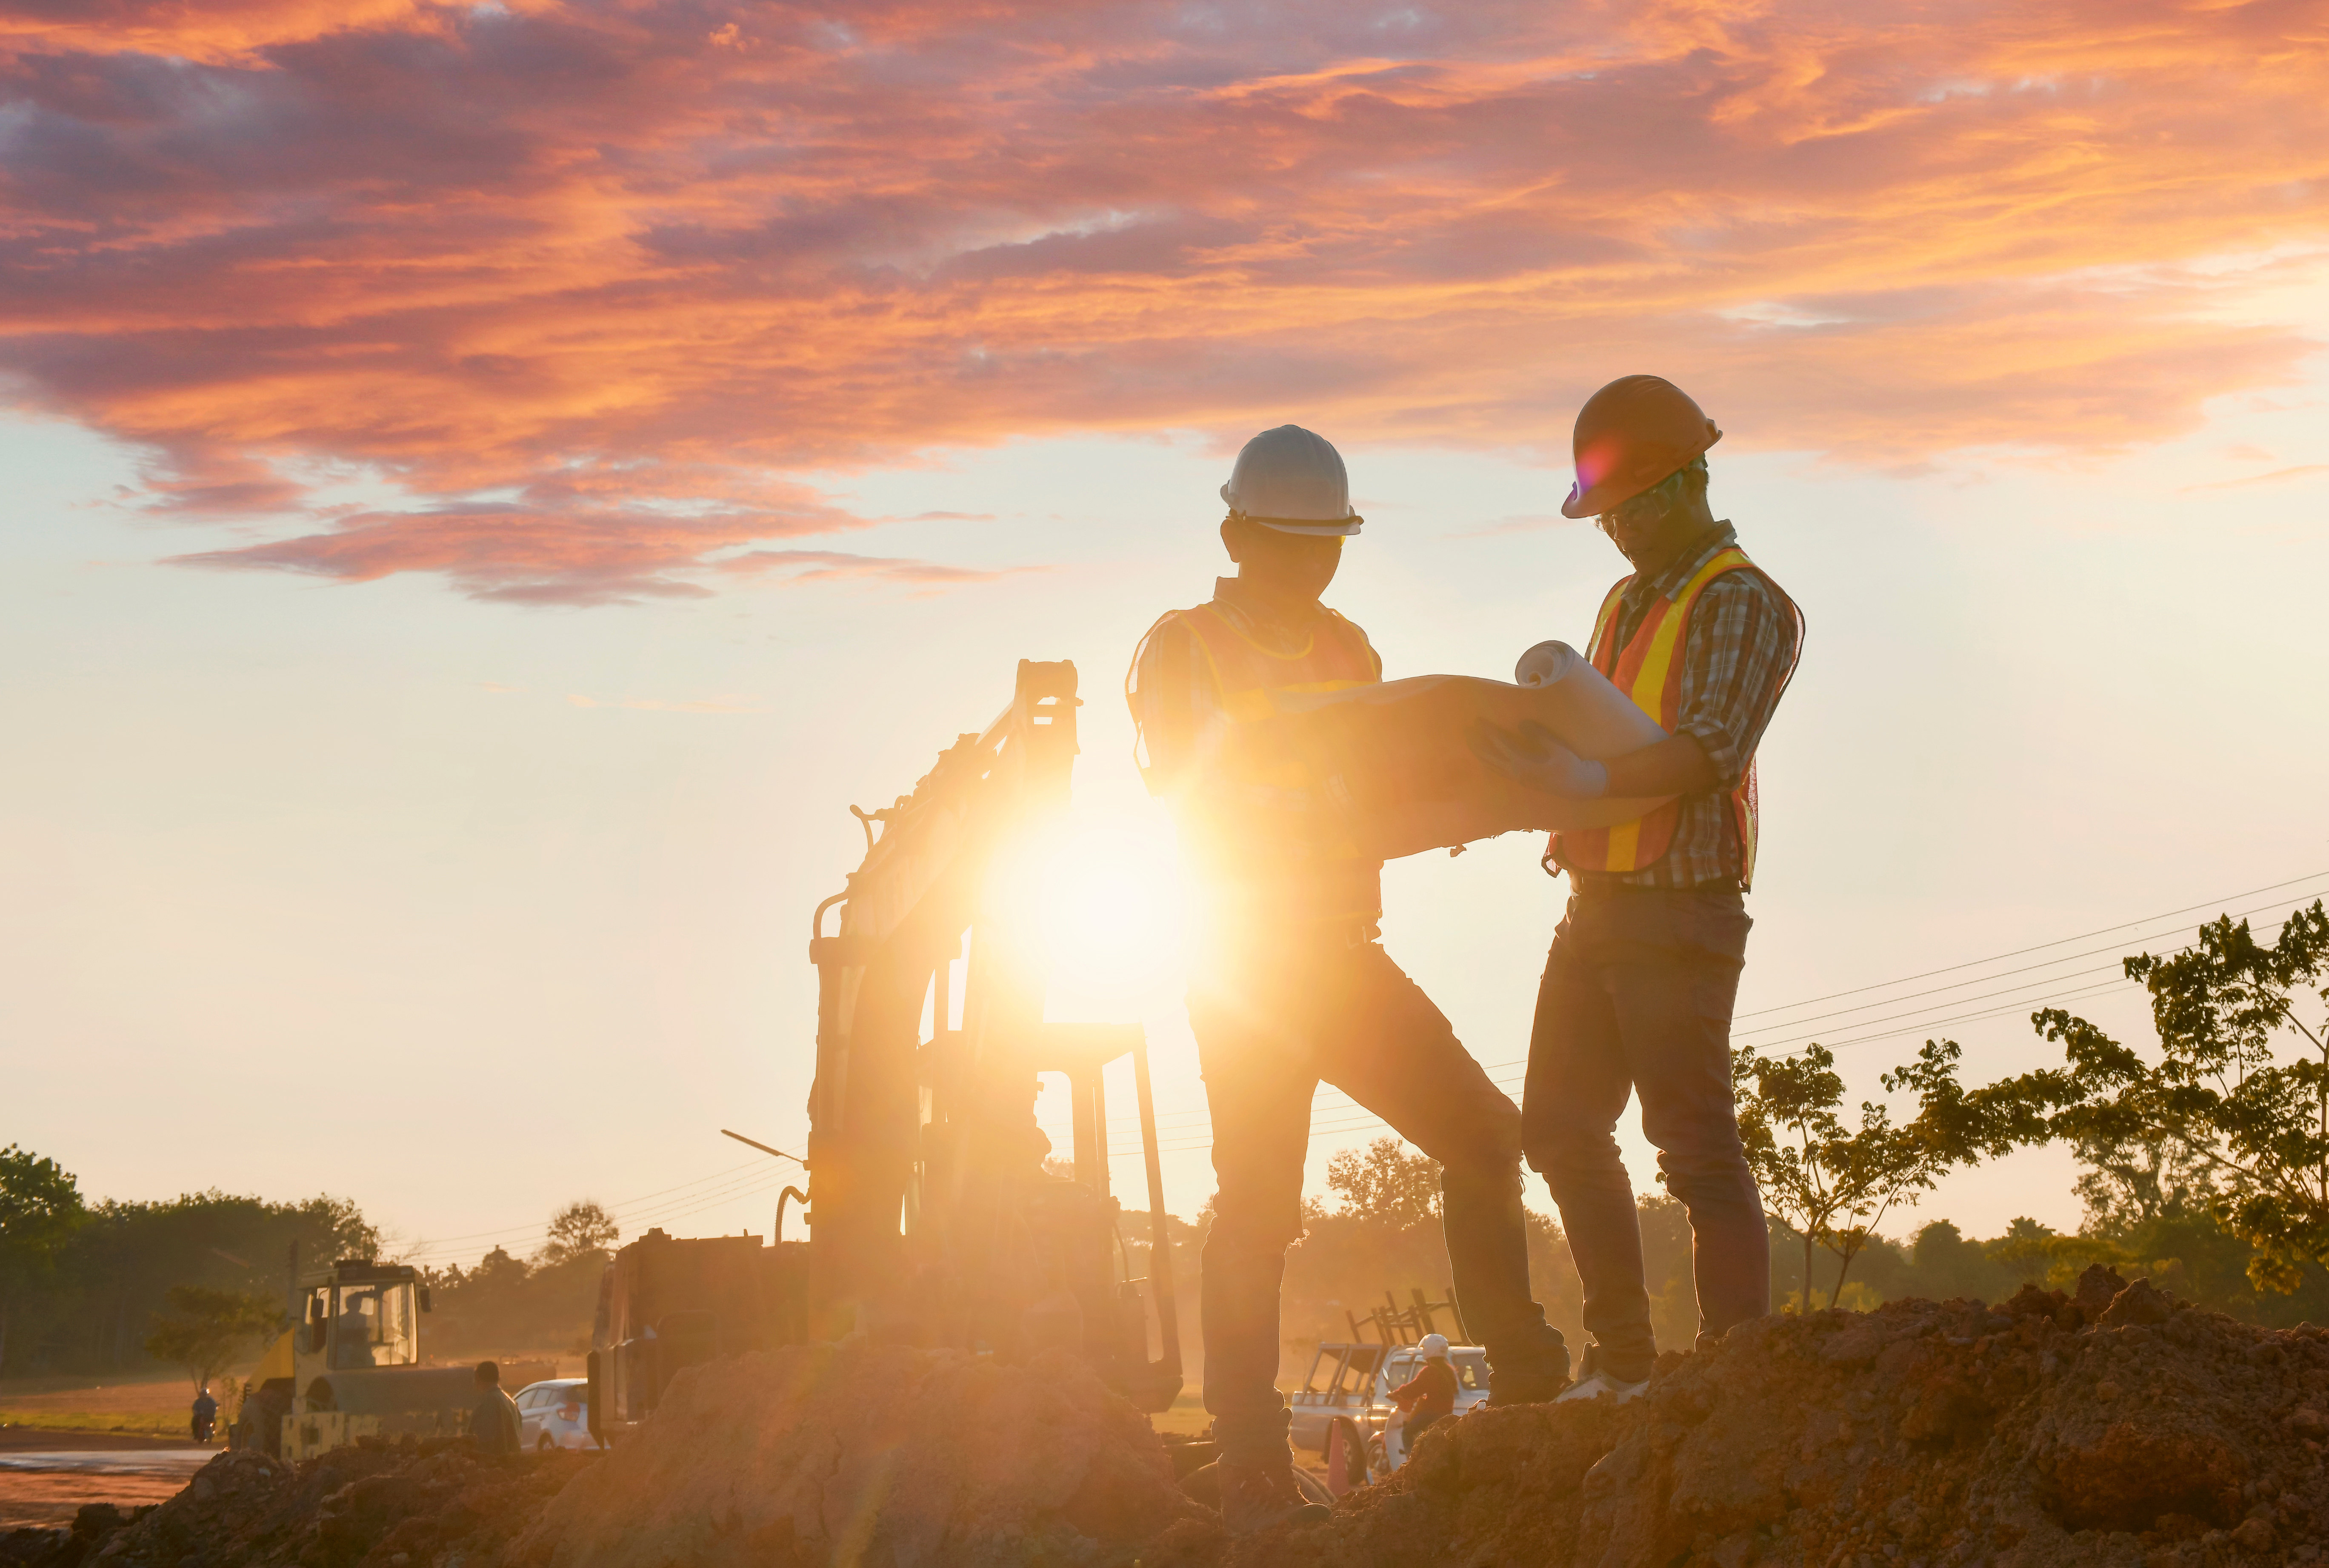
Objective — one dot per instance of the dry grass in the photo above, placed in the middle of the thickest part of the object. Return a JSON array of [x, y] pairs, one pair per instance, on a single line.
[[146, 1424]]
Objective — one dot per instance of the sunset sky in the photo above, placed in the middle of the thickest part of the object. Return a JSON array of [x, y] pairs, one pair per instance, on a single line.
[[489, 486]]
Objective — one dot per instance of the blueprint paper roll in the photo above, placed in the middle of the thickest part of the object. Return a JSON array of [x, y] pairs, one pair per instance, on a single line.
[[1399, 754], [1546, 664]]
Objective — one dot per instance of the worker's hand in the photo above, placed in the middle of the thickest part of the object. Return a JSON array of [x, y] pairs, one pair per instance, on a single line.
[[1536, 757]]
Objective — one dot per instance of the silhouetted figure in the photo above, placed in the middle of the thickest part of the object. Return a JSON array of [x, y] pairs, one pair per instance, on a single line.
[[205, 1414], [493, 1422]]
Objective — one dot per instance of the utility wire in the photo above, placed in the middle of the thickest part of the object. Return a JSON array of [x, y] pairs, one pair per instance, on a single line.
[[1934, 1022], [2083, 936]]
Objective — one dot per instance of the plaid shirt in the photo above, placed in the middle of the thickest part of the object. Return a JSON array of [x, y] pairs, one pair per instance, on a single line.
[[1745, 637]]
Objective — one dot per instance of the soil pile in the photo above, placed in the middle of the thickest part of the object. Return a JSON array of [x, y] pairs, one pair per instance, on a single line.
[[94, 1524], [387, 1506], [878, 1456], [2117, 1427]]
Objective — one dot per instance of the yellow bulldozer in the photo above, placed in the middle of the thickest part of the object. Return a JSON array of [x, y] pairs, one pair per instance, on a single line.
[[349, 1366]]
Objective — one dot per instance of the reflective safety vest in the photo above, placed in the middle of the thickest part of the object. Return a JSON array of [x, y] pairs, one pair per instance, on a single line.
[[1330, 882], [1649, 670]]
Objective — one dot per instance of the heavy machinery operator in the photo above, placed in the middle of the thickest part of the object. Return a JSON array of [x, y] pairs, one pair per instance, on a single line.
[[1638, 987], [1290, 985]]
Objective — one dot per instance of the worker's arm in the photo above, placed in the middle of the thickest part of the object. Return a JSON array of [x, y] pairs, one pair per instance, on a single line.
[[1742, 649], [1677, 765]]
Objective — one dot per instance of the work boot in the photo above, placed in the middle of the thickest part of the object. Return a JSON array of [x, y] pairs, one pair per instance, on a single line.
[[1528, 1387], [1534, 1373], [1600, 1374], [1256, 1496]]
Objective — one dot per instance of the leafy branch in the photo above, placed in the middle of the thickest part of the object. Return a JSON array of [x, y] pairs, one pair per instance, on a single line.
[[2253, 1123], [1834, 1185]]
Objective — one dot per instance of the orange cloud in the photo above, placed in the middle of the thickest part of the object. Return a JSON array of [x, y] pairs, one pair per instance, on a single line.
[[635, 264]]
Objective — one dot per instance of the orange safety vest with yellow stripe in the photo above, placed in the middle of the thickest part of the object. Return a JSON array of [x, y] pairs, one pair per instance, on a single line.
[[1649, 670], [1332, 882]]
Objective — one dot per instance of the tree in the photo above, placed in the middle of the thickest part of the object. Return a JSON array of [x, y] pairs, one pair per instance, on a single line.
[[209, 1330], [2257, 1126], [39, 1208], [2027, 1249], [583, 1229], [1386, 1184], [2131, 1182], [1788, 1121], [1834, 1186]]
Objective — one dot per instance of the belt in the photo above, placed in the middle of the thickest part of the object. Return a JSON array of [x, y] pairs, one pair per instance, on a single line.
[[1596, 888]]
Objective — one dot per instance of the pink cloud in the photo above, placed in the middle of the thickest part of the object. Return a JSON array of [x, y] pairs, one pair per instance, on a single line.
[[636, 265], [827, 565]]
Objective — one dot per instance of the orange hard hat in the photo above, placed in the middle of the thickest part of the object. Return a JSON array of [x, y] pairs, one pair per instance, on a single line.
[[1630, 435]]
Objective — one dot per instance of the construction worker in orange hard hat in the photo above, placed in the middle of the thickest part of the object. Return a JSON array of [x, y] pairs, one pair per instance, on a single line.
[[1289, 983], [1638, 987]]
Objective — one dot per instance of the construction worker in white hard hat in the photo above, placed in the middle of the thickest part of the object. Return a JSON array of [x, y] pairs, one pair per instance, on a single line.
[[1290, 985], [1429, 1396]]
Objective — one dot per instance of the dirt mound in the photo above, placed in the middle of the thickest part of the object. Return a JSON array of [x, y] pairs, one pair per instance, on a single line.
[[871, 1455], [2116, 1427], [382, 1505]]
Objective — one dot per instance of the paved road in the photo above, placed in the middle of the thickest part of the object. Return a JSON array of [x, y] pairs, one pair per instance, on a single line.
[[179, 1462], [47, 1486]]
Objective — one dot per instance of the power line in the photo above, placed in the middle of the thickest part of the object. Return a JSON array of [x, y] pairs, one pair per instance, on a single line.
[[2042, 947], [631, 1211], [1924, 1013], [1981, 980]]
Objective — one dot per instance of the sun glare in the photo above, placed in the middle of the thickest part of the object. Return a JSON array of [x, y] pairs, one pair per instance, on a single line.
[[1103, 890]]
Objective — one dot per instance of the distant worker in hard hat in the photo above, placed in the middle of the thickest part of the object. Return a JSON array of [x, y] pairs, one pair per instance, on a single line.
[[1638, 987], [1429, 1395], [1289, 983]]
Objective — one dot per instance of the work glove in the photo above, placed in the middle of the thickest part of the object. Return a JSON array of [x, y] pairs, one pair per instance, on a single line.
[[1536, 757]]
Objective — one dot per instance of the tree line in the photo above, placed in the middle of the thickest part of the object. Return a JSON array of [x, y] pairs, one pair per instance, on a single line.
[[200, 1281]]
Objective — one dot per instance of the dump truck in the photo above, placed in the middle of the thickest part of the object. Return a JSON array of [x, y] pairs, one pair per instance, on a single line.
[[349, 1366], [932, 1218], [669, 1302]]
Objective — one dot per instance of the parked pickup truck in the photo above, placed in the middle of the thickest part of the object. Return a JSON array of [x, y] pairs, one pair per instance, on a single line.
[[1350, 1385]]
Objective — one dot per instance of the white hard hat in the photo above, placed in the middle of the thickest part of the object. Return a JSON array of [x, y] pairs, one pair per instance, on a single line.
[[1293, 481], [1433, 1345]]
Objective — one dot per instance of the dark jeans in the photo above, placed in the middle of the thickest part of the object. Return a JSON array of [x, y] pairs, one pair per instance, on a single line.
[[1273, 1019], [1637, 999]]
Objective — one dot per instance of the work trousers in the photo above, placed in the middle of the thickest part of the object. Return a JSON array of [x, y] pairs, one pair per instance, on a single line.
[[1637, 998], [1274, 1018]]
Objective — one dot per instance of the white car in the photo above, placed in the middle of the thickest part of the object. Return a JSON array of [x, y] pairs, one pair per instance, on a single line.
[[555, 1414]]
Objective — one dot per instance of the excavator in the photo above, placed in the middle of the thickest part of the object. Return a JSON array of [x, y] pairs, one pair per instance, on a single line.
[[938, 1212]]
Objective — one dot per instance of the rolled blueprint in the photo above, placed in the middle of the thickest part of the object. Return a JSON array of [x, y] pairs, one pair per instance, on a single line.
[[1398, 754]]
